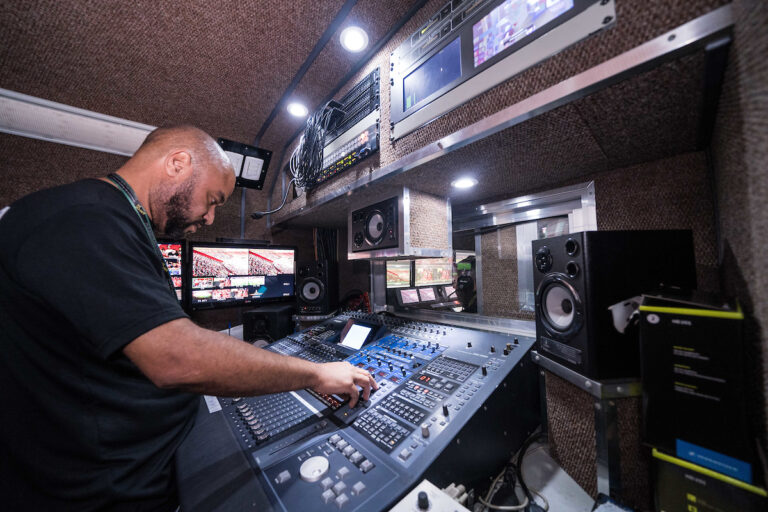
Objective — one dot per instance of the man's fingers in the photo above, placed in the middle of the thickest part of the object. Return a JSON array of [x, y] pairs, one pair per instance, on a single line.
[[366, 381], [354, 394]]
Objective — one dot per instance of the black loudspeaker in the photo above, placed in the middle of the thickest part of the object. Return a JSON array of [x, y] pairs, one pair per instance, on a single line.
[[317, 287], [577, 277], [375, 226], [269, 322]]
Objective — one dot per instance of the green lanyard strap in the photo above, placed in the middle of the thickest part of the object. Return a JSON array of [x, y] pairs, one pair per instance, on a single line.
[[130, 195]]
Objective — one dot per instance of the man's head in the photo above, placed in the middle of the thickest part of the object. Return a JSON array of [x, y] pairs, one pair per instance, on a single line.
[[187, 176]]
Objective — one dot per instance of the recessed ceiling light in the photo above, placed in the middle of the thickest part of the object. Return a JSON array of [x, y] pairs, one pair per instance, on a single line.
[[354, 39], [297, 109], [464, 183]]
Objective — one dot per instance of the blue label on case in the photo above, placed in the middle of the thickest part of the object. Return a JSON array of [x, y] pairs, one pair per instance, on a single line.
[[715, 461]]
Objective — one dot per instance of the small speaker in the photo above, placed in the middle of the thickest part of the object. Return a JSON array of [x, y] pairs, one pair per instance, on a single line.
[[317, 287], [269, 322], [577, 277], [375, 226]]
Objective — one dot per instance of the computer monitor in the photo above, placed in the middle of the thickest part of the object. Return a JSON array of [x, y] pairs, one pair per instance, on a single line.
[[173, 254], [398, 274], [432, 271], [236, 274]]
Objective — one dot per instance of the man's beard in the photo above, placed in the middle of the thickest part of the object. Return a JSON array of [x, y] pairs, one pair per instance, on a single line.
[[177, 209]]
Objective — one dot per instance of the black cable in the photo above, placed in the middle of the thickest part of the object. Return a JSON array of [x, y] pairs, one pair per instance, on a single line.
[[258, 215], [519, 465]]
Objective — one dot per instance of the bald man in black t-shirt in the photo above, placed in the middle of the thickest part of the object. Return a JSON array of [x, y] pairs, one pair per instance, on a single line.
[[99, 366]]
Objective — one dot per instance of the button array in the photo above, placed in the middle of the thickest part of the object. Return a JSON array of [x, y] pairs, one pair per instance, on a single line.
[[465, 392], [419, 393], [403, 409], [452, 368], [381, 429], [351, 453]]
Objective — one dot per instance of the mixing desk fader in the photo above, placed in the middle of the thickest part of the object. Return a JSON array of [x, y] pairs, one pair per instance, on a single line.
[[453, 404]]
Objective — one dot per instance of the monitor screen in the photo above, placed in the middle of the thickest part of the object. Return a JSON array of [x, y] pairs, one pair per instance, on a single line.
[[356, 336], [426, 294], [438, 71], [409, 296], [450, 292], [234, 274], [510, 22], [434, 271], [173, 256], [399, 274]]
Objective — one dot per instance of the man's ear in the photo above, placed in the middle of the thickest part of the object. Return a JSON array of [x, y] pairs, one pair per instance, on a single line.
[[178, 164]]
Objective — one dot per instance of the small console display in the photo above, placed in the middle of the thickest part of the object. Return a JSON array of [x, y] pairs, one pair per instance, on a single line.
[[427, 294], [356, 334], [409, 296]]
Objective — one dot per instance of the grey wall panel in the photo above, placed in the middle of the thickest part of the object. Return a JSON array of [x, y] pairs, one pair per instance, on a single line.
[[740, 154]]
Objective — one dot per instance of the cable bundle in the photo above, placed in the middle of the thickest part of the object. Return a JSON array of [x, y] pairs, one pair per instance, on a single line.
[[307, 159]]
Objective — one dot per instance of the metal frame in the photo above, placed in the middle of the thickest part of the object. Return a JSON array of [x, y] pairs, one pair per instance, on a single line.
[[553, 203], [686, 38], [472, 321], [404, 248], [605, 393]]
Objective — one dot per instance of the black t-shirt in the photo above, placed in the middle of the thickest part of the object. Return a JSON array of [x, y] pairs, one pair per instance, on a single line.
[[81, 426]]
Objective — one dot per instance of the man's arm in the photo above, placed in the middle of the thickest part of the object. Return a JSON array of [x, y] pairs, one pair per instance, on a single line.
[[181, 355]]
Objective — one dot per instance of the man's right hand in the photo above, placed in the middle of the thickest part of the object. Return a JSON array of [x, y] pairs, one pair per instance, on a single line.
[[343, 378]]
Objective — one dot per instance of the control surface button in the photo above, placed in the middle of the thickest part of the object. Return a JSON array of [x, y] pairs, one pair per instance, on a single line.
[[339, 488], [314, 468], [283, 477], [342, 444], [357, 488], [335, 438], [405, 454], [366, 466], [349, 450], [328, 496], [342, 472], [327, 483], [355, 457], [342, 500]]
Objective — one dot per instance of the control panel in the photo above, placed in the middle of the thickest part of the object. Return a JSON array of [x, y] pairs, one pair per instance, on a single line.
[[452, 404]]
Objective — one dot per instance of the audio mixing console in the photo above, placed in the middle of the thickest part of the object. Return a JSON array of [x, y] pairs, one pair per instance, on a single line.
[[452, 406]]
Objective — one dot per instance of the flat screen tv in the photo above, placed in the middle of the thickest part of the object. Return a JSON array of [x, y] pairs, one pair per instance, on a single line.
[[236, 274]]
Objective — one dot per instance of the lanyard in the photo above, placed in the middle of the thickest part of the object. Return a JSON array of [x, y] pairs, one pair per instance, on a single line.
[[129, 194]]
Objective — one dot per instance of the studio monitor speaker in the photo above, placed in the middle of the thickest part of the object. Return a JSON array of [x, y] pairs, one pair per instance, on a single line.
[[577, 277], [269, 322], [317, 287]]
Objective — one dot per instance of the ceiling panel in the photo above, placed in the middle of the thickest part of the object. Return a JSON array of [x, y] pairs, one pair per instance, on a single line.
[[334, 62], [221, 66]]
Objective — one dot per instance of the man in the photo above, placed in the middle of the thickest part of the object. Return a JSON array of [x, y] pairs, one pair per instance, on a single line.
[[98, 363]]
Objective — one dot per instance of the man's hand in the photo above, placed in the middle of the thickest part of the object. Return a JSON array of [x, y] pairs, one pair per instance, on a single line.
[[343, 378]]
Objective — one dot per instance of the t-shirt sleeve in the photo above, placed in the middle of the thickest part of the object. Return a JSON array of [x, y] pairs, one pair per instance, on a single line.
[[94, 267]]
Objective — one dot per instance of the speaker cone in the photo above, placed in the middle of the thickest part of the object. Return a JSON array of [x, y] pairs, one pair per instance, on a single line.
[[374, 227], [312, 290], [559, 306]]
